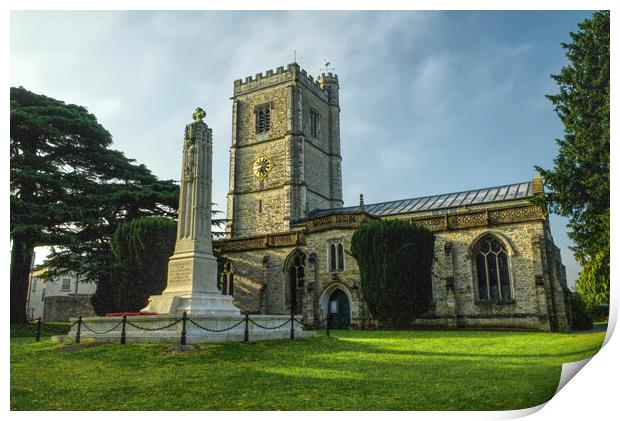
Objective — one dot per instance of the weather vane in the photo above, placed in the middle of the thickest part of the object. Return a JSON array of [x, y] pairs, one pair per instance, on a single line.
[[326, 68]]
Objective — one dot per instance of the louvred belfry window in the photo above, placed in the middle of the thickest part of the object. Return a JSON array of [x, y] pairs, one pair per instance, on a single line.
[[263, 118], [315, 119]]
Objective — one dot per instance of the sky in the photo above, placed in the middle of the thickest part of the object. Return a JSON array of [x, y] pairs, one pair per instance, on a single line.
[[431, 102]]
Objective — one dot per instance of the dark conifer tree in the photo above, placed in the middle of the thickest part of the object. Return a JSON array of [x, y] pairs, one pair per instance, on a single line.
[[395, 260], [578, 184], [70, 190]]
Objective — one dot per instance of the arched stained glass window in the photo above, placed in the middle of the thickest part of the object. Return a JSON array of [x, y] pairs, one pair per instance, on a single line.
[[227, 279], [297, 276], [493, 275]]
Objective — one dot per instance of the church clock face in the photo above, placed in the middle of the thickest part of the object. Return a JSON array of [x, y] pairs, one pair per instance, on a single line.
[[262, 166]]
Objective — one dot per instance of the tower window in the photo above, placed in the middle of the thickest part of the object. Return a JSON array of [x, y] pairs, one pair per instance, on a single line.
[[315, 120], [263, 118]]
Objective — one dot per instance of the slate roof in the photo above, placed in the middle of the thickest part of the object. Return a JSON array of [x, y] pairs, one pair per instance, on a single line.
[[441, 201]]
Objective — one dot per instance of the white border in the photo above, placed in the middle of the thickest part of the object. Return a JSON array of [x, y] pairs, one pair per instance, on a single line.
[[590, 395]]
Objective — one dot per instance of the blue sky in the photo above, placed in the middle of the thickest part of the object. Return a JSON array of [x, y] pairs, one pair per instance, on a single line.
[[431, 102]]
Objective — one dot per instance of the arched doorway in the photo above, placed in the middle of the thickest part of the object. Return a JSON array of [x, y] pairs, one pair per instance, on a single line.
[[339, 310]]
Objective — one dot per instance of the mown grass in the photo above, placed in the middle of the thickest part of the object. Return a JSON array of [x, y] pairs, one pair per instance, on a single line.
[[352, 370]]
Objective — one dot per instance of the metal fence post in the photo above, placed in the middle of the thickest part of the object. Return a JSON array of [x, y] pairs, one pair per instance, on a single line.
[[123, 334], [38, 334], [79, 330], [292, 326], [183, 329], [246, 334]]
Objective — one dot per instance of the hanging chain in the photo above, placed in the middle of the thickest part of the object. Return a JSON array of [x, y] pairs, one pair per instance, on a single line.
[[57, 329], [152, 329], [215, 330], [273, 327], [102, 332]]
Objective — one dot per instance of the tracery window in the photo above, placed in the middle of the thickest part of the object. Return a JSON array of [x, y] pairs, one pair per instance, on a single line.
[[227, 279], [493, 275], [297, 277], [335, 257], [263, 118]]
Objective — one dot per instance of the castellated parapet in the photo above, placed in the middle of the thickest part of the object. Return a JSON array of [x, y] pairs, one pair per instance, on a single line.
[[282, 75]]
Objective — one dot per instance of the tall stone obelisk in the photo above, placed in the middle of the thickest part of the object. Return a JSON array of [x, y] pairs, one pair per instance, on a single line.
[[192, 270]]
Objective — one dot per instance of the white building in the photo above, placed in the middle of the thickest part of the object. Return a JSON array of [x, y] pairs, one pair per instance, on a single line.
[[63, 286]]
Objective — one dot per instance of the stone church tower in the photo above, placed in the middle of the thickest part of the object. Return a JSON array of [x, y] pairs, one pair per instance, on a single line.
[[285, 154]]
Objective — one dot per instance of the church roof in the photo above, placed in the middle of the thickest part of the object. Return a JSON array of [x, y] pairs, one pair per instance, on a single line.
[[441, 201]]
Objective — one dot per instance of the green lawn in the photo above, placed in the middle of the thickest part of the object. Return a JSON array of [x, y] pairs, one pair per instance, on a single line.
[[352, 370]]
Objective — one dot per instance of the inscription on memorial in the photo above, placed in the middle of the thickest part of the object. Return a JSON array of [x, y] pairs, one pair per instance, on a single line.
[[179, 272]]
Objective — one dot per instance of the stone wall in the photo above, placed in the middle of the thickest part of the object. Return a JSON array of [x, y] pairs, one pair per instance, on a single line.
[[538, 284], [327, 282], [61, 308]]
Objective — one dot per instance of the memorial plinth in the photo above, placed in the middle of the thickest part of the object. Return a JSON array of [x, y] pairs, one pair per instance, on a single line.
[[223, 329]]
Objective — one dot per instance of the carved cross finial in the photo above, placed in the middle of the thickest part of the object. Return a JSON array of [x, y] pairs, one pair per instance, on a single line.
[[199, 114], [361, 202]]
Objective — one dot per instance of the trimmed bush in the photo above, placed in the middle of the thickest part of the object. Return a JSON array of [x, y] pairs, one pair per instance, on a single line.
[[103, 298], [581, 319], [139, 267], [395, 259]]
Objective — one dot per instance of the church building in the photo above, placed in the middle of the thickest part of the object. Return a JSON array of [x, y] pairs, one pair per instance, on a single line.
[[288, 236]]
